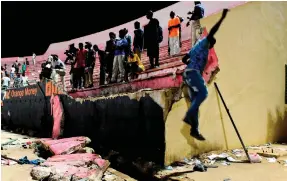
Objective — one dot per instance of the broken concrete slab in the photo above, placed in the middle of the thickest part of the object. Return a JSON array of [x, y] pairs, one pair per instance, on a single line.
[[71, 167], [65, 145]]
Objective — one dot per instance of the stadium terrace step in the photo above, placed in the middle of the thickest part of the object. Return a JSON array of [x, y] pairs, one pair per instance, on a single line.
[[167, 66]]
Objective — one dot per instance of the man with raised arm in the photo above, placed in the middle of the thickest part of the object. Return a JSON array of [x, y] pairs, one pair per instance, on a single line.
[[196, 61]]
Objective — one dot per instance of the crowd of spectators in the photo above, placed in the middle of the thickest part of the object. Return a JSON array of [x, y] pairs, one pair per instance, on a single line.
[[120, 61]]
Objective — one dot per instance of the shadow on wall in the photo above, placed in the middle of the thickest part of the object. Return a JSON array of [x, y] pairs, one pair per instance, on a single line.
[[277, 126], [197, 147], [134, 128]]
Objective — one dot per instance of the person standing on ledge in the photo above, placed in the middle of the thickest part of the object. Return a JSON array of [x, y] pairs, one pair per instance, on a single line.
[[173, 35], [34, 58], [153, 36], [196, 61], [196, 15]]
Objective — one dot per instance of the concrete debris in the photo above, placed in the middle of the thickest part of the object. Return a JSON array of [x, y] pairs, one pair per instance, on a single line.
[[271, 160], [222, 156], [65, 145], [18, 143], [169, 168], [255, 158], [71, 167], [86, 150], [7, 162], [212, 159], [114, 175], [225, 163], [238, 152]]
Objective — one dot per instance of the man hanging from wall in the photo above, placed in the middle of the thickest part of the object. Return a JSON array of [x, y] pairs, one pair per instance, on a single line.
[[173, 36], [196, 15], [196, 61]]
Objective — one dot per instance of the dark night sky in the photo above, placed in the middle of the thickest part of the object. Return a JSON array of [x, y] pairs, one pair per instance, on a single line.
[[28, 27]]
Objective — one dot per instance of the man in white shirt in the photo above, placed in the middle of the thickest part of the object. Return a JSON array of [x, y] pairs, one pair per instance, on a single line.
[[24, 80], [12, 72], [59, 68], [34, 58], [5, 85]]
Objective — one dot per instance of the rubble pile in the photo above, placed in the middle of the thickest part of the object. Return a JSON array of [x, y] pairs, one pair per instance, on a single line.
[[71, 167], [258, 153], [65, 145], [66, 163]]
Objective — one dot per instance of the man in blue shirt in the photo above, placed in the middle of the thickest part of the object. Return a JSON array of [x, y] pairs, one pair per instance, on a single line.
[[121, 44], [196, 61]]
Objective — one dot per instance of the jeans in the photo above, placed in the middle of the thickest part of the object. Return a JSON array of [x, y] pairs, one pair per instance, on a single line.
[[198, 93], [195, 32], [118, 66]]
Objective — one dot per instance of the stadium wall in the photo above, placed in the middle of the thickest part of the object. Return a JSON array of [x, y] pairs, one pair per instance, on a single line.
[[251, 49]]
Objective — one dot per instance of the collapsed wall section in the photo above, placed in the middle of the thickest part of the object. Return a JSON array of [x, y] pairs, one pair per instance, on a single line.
[[132, 124]]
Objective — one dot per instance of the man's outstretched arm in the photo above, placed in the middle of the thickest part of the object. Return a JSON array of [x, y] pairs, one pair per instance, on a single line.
[[215, 28]]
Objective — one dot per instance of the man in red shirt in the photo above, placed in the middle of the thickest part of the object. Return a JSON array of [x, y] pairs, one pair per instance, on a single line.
[[80, 67]]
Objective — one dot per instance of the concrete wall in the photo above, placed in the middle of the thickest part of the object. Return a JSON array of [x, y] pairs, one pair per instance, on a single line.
[[251, 48]]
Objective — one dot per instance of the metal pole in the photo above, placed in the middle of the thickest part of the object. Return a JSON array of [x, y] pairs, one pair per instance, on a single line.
[[227, 110]]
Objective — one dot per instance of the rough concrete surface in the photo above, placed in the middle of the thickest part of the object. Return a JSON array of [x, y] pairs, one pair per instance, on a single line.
[[251, 37], [22, 172]]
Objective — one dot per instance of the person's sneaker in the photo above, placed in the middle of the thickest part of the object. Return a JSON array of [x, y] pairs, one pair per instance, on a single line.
[[197, 136]]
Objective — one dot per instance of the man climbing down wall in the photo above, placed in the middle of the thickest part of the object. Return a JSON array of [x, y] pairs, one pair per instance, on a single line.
[[196, 61]]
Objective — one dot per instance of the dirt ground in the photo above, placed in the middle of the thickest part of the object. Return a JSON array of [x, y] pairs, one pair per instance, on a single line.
[[235, 172], [16, 172]]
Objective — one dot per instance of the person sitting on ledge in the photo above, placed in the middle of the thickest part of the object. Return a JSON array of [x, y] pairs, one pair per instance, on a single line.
[[135, 65]]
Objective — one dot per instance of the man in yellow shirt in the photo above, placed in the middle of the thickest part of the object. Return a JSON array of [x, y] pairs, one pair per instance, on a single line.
[[173, 28], [135, 65]]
